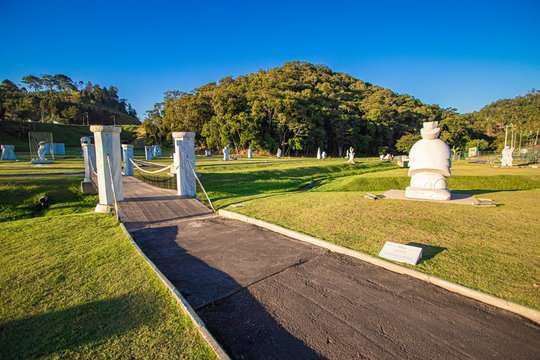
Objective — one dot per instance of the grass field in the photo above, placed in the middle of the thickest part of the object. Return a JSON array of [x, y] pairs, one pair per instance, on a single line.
[[74, 287], [495, 250]]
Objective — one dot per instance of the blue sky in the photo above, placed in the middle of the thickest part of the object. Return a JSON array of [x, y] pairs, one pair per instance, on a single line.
[[462, 54]]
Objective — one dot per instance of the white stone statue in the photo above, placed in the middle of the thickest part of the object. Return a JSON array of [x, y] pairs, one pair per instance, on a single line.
[[207, 153], [41, 150], [429, 165], [507, 156], [250, 154], [157, 151], [278, 153], [318, 153], [148, 152], [226, 153], [8, 152], [350, 154], [323, 155]]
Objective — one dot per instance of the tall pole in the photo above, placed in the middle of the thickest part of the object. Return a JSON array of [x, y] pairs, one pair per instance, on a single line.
[[506, 136], [520, 136]]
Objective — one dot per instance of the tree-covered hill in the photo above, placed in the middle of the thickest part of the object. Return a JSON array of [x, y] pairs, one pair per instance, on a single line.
[[59, 99], [298, 107]]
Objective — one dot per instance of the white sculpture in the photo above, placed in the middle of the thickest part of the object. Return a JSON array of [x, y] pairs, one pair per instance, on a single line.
[[250, 154], [41, 150], [429, 165], [350, 155], [507, 156], [207, 153], [148, 152], [278, 153], [8, 152], [156, 151], [318, 153], [226, 153], [323, 155]]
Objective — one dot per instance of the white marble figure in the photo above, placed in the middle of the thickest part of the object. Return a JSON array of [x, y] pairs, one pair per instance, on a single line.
[[507, 158], [429, 165], [148, 152], [250, 154], [323, 155], [41, 150], [157, 151], [226, 153], [350, 155], [381, 157], [278, 153], [8, 152], [207, 153], [318, 153]]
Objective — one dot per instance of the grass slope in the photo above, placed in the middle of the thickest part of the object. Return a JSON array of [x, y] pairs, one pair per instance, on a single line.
[[74, 287], [495, 250]]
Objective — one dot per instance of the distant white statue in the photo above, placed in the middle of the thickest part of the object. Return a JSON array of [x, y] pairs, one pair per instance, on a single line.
[[350, 155], [157, 151], [8, 152], [318, 153], [429, 165], [250, 154], [278, 153], [226, 153], [148, 152], [507, 156], [323, 155], [347, 154], [41, 150]]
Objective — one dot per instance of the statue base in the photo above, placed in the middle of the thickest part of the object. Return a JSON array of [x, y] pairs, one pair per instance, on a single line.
[[103, 208], [39, 161], [429, 194]]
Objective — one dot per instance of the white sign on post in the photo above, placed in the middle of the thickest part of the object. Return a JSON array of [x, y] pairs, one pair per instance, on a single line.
[[402, 253]]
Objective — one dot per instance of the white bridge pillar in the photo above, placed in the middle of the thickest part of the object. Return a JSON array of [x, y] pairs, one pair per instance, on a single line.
[[127, 151], [107, 143], [184, 156]]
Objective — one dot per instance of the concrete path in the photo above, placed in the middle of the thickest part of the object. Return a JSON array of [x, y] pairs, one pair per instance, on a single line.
[[266, 296]]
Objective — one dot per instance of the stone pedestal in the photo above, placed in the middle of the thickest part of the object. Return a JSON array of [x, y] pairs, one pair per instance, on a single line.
[[250, 154], [278, 153], [157, 151], [226, 153], [127, 152], [107, 144], [184, 162]]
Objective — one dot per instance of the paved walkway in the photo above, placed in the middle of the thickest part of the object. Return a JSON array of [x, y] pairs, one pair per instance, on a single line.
[[266, 296]]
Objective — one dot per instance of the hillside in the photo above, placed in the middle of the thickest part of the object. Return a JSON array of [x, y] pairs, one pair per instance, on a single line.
[[16, 133], [59, 99], [298, 107]]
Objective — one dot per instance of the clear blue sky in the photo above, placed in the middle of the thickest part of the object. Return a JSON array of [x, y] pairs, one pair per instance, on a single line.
[[462, 54]]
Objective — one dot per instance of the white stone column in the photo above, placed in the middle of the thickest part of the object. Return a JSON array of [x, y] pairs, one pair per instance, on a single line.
[[250, 154], [107, 143], [184, 155], [127, 151]]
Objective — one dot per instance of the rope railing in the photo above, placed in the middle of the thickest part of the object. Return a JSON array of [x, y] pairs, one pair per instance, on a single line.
[[113, 191], [147, 163], [202, 187], [150, 172]]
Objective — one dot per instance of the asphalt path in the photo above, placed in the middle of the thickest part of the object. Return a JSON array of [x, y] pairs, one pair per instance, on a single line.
[[267, 296]]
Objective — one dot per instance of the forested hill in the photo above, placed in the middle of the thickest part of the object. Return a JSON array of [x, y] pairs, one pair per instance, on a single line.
[[297, 107], [300, 107], [522, 111], [59, 99]]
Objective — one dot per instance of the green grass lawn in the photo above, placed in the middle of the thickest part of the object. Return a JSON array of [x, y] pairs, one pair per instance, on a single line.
[[495, 250], [72, 285]]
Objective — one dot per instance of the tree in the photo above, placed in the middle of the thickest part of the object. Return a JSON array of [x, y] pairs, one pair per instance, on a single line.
[[405, 143], [33, 82]]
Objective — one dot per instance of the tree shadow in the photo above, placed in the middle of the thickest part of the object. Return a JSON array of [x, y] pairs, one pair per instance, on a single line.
[[219, 293], [44, 334], [428, 251]]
